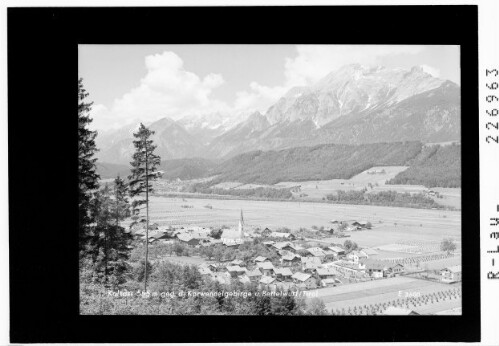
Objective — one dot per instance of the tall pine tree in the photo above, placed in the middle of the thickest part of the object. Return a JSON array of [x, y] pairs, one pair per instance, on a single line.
[[144, 171], [87, 175]]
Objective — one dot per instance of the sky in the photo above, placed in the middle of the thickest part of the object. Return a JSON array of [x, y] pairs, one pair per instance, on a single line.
[[148, 82]]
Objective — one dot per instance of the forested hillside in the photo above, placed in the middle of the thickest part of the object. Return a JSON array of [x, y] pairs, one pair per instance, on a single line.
[[184, 169], [436, 166], [322, 162]]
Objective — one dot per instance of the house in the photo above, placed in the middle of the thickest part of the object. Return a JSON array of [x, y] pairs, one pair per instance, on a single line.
[[392, 310], [236, 262], [396, 269], [310, 263], [254, 275], [362, 224], [283, 273], [290, 259], [223, 278], [337, 250], [267, 268], [234, 243], [306, 280], [266, 232], [158, 235], [376, 269], [267, 280], [451, 274], [326, 273], [232, 235], [268, 243], [357, 256], [244, 279], [187, 239], [294, 248], [260, 259], [316, 252], [329, 254], [349, 268], [329, 282], [283, 235], [280, 245], [235, 271], [214, 267]]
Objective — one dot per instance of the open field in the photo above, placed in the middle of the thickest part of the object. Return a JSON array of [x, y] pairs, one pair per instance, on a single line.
[[320, 188], [442, 263], [390, 225], [377, 175], [373, 179], [382, 291]]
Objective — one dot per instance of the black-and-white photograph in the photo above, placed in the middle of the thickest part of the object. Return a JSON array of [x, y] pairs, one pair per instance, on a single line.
[[232, 179]]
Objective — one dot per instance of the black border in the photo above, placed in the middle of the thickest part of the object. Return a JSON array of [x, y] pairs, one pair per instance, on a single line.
[[42, 73]]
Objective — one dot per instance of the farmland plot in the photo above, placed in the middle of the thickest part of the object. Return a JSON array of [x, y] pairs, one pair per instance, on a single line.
[[378, 291], [390, 225]]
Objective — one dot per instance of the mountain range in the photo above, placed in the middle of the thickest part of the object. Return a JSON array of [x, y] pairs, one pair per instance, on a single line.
[[353, 105]]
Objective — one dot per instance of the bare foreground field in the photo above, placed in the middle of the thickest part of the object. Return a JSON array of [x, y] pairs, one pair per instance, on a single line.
[[390, 225], [385, 291]]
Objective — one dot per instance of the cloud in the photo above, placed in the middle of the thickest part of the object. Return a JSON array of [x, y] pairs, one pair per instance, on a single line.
[[312, 63], [167, 89], [435, 72]]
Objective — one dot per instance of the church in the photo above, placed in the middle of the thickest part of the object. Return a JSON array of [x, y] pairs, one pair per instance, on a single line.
[[231, 236]]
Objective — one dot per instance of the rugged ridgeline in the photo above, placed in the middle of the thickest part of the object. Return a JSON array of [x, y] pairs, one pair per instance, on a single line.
[[354, 105], [435, 166], [322, 162]]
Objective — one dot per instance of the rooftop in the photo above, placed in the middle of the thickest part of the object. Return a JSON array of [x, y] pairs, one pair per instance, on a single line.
[[265, 265], [267, 280], [301, 276]]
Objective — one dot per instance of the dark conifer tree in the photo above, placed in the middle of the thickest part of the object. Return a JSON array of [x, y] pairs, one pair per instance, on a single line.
[[110, 245], [121, 206], [87, 175], [144, 171]]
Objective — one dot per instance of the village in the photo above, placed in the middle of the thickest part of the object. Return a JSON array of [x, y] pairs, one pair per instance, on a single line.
[[282, 260]]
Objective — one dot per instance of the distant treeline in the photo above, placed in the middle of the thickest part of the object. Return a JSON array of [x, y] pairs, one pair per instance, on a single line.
[[259, 192], [383, 198], [322, 162], [436, 166]]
